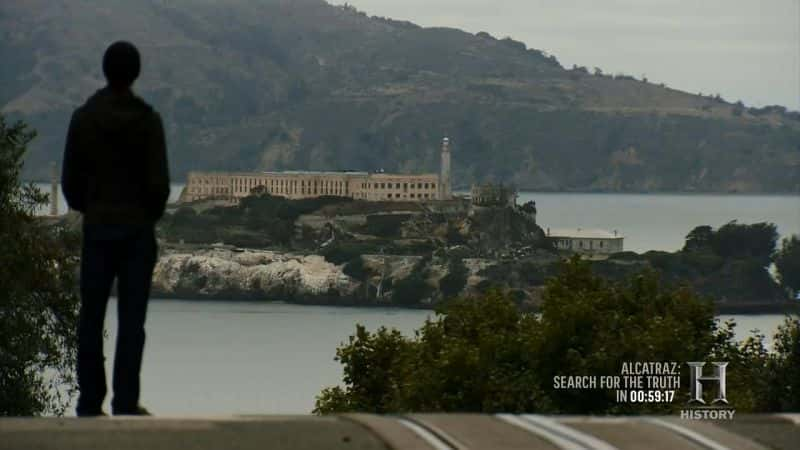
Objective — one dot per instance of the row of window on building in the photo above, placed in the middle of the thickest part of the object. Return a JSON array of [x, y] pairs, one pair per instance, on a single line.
[[280, 186], [590, 244], [397, 185], [390, 196]]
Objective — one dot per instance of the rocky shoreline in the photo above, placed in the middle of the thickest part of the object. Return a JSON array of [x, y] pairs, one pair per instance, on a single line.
[[224, 274], [271, 276]]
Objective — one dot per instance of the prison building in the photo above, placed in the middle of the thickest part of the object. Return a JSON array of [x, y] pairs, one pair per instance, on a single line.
[[377, 186]]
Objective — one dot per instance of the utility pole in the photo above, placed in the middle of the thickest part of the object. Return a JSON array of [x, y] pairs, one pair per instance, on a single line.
[[53, 189]]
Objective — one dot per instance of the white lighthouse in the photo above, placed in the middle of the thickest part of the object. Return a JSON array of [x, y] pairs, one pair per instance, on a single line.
[[444, 174]]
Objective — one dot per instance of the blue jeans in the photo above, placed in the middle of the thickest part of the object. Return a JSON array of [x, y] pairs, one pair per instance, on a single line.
[[127, 253]]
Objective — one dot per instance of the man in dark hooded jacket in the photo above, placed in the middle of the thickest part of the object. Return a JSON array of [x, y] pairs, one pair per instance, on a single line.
[[115, 173]]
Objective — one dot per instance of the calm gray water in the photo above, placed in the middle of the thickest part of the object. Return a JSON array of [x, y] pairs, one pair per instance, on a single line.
[[175, 192], [219, 358], [662, 221], [209, 358], [205, 358]]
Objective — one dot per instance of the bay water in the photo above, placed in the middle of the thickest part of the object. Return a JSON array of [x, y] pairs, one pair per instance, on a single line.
[[206, 358], [223, 357]]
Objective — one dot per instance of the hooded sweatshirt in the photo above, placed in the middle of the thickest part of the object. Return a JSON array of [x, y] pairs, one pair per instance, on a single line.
[[115, 160]]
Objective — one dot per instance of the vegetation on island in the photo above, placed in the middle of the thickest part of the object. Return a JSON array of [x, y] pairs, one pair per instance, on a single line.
[[373, 240], [273, 85], [259, 220], [729, 264], [38, 293], [482, 354]]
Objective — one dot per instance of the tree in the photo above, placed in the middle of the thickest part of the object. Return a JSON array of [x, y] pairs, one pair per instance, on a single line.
[[412, 289], [738, 108], [444, 369], [38, 298], [483, 354], [756, 241], [784, 383], [699, 239], [591, 326], [456, 278], [787, 261]]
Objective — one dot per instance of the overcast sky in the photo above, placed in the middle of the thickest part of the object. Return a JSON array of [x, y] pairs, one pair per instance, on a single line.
[[741, 49]]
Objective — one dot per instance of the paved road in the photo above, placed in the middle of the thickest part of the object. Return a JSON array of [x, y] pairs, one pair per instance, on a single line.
[[415, 431]]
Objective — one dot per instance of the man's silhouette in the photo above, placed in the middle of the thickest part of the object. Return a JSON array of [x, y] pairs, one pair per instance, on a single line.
[[115, 173]]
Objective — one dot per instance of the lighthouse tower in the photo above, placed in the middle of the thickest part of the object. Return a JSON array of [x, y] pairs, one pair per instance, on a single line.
[[444, 174]]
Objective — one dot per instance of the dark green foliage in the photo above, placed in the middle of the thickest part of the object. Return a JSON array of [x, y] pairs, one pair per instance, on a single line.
[[765, 380], [703, 263], [475, 356], [740, 279], [414, 288], [38, 295], [373, 368], [591, 326], [784, 368], [342, 252], [484, 355], [454, 237], [516, 274], [626, 256], [787, 261], [756, 241], [385, 225], [728, 264], [259, 220], [355, 268], [453, 283], [699, 239]]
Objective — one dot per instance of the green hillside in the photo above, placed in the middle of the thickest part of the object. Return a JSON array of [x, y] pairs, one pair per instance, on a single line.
[[301, 84]]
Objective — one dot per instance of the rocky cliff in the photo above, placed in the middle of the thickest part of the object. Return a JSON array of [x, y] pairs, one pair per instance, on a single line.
[[236, 274], [250, 275]]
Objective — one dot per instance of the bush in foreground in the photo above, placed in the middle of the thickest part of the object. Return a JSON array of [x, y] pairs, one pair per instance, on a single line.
[[38, 298], [484, 355]]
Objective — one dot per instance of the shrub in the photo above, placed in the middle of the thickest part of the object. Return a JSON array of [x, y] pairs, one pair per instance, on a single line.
[[483, 355], [454, 281]]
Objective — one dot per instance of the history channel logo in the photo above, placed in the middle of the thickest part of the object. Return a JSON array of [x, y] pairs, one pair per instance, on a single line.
[[719, 408], [654, 382]]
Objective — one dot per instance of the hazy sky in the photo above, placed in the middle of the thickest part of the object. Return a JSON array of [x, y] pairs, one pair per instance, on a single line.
[[741, 49]]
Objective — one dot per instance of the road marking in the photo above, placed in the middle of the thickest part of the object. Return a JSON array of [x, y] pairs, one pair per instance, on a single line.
[[585, 439], [438, 432], [432, 439], [562, 436], [686, 433], [793, 417]]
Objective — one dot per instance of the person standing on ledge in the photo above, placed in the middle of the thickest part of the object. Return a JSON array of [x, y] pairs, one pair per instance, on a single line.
[[115, 173]]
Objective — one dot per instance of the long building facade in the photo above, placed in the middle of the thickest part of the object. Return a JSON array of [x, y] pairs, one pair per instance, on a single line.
[[232, 186]]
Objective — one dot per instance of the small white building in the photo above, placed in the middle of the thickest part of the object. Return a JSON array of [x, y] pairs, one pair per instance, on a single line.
[[586, 241]]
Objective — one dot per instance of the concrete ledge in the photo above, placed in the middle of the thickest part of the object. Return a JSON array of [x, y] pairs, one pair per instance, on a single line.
[[413, 431]]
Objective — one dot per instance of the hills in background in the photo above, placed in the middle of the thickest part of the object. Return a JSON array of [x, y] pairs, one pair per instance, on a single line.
[[301, 84]]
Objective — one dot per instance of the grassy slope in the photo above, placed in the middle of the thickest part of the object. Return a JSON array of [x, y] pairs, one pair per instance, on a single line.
[[277, 84]]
